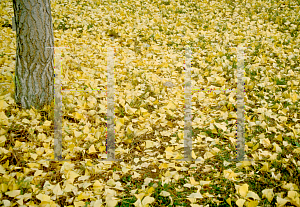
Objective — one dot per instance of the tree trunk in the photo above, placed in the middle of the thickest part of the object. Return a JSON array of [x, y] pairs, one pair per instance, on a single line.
[[34, 72]]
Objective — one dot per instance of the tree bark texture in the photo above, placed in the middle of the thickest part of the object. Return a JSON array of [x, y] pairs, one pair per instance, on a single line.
[[34, 72]]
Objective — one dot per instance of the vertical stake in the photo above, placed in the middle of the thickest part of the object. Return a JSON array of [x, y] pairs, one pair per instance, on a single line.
[[240, 146], [110, 107], [188, 141], [57, 110], [13, 23]]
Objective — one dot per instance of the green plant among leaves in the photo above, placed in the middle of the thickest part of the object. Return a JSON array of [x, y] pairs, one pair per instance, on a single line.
[[24, 185]]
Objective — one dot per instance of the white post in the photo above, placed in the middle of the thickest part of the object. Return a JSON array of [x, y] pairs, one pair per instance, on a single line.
[[110, 141], [57, 109], [13, 23], [240, 108], [110, 108], [240, 146], [188, 141]]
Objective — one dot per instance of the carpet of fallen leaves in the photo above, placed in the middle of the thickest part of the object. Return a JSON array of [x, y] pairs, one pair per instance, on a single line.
[[149, 117]]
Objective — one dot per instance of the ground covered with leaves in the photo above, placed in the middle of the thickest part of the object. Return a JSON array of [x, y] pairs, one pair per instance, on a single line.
[[149, 117]]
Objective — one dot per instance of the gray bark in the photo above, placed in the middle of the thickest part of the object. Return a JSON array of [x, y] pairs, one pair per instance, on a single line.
[[34, 79]]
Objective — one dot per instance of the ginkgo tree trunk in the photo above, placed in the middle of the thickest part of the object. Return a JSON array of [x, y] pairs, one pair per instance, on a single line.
[[34, 79]]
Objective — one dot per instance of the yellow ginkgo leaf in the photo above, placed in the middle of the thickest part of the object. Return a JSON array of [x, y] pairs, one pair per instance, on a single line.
[[111, 201], [125, 169], [103, 109], [111, 182], [25, 121], [129, 110], [42, 136], [178, 156], [164, 193], [98, 186], [171, 106], [294, 97], [208, 155], [43, 197], [294, 195], [155, 78], [119, 123], [128, 140], [91, 101], [180, 135], [240, 202], [265, 167], [5, 166], [57, 190], [47, 123], [3, 158], [37, 173], [149, 144], [77, 134], [83, 196], [33, 165], [203, 183], [98, 203], [163, 166], [281, 201], [3, 118], [165, 133], [2, 131], [221, 126], [220, 80], [279, 137], [140, 196], [232, 115], [195, 195], [79, 203], [86, 129], [77, 115], [253, 195], [214, 131], [149, 191], [290, 186], [92, 149], [141, 132], [228, 200], [252, 203], [72, 175], [2, 140], [147, 200], [13, 193], [243, 190], [3, 105], [102, 148], [193, 181], [69, 187]]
